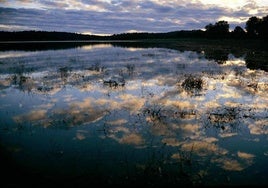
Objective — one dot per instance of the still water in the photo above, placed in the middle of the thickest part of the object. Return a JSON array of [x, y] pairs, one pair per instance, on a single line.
[[105, 114]]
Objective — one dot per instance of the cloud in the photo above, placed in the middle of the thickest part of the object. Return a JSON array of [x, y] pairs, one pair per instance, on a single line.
[[112, 16], [132, 139]]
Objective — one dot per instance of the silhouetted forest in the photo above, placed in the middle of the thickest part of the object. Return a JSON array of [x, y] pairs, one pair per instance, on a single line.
[[256, 28]]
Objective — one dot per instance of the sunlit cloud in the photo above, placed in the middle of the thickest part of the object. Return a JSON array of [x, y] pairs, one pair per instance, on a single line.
[[191, 130], [229, 164], [245, 160], [10, 27], [159, 129], [171, 142], [233, 20], [204, 148], [244, 155], [117, 122], [134, 31], [32, 116], [132, 139], [80, 135], [226, 134], [226, 3], [96, 46], [259, 127], [132, 103], [180, 104], [120, 129]]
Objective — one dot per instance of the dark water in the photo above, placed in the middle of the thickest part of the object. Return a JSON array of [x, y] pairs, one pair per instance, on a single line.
[[108, 115]]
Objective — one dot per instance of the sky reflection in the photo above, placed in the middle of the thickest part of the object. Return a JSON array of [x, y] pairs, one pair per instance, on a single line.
[[215, 120]]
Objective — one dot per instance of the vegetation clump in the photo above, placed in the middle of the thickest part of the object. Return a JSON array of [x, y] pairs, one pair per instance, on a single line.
[[224, 115], [114, 81], [224, 118], [192, 83]]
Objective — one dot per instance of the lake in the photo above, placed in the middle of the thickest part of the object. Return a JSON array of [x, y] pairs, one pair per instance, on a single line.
[[129, 114]]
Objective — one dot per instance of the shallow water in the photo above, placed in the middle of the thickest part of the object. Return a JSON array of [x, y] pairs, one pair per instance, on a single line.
[[120, 115]]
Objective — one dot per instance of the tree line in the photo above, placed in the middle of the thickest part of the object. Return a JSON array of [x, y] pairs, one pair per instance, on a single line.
[[255, 28]]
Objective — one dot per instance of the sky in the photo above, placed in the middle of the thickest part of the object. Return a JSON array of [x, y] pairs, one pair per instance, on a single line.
[[105, 17]]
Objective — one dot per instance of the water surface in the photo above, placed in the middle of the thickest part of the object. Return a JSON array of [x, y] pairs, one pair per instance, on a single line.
[[106, 114]]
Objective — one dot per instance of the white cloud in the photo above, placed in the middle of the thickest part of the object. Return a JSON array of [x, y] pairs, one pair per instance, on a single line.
[[225, 3], [4, 27]]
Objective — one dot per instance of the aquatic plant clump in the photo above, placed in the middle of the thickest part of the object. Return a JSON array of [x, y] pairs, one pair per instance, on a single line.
[[192, 82], [227, 119]]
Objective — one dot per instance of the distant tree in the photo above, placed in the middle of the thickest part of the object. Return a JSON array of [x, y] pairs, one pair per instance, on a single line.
[[219, 29], [209, 27], [257, 27], [239, 29], [238, 32], [263, 27], [252, 26], [222, 26]]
